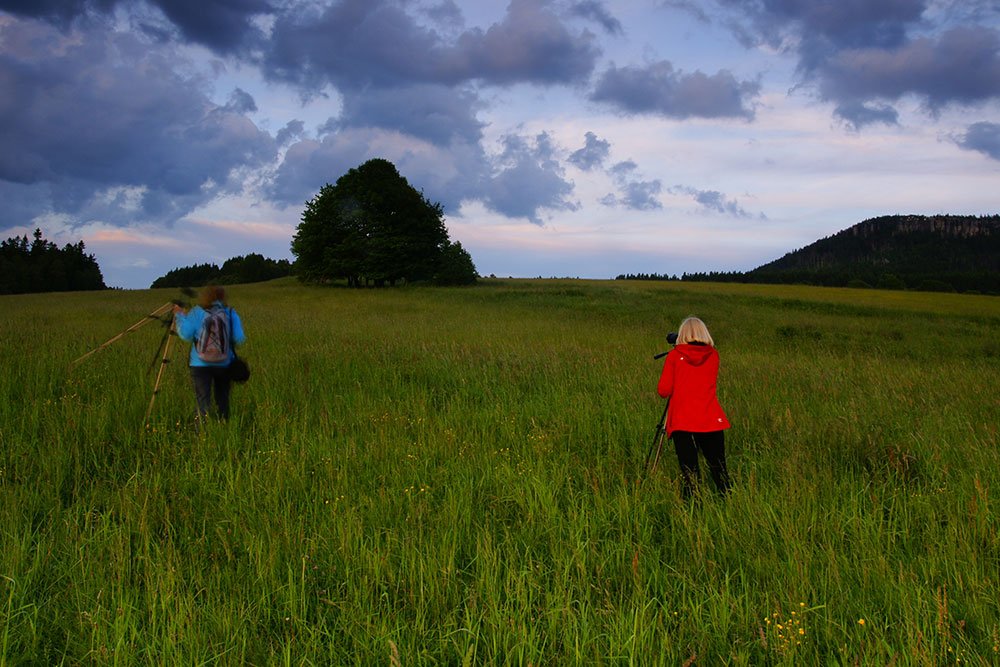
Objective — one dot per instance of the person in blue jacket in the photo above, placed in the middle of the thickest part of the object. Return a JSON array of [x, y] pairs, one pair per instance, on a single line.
[[214, 329]]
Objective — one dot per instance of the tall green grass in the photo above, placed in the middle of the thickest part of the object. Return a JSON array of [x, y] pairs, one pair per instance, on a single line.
[[453, 476]]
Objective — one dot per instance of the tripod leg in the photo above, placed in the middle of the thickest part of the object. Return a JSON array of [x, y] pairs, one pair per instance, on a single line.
[[652, 453], [152, 316], [659, 450], [159, 374], [161, 346], [653, 456]]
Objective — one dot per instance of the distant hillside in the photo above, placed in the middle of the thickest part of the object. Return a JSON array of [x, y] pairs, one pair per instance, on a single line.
[[943, 253], [940, 252]]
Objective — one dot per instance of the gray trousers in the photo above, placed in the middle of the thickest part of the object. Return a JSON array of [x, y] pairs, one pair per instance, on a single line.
[[209, 378]]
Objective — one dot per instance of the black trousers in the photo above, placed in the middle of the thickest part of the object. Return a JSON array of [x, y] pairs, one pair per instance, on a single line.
[[713, 448], [207, 378]]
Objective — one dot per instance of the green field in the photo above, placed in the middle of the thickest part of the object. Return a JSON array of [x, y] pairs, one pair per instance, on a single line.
[[430, 476]]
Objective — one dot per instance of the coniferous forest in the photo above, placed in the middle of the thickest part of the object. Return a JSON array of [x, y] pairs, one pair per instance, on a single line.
[[41, 266], [252, 268]]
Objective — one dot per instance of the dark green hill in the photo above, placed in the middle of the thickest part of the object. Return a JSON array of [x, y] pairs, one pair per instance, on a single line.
[[942, 252]]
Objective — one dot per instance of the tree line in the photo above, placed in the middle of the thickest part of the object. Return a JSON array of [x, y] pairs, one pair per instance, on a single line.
[[646, 276], [41, 266], [252, 268], [971, 282]]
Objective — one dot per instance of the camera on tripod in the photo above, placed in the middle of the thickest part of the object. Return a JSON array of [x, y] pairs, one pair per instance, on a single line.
[[671, 340]]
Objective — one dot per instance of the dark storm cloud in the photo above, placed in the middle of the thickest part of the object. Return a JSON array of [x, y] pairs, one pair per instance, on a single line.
[[92, 116], [22, 203], [352, 44], [961, 66], [593, 154], [61, 12], [660, 89], [597, 12], [716, 201], [530, 45], [527, 179], [861, 54], [983, 137], [815, 26], [358, 43], [222, 25], [392, 72], [438, 114]]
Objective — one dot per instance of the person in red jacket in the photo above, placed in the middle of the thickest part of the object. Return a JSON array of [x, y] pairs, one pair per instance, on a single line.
[[695, 419]]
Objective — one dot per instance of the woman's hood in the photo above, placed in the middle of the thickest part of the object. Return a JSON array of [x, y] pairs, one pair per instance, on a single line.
[[695, 355]]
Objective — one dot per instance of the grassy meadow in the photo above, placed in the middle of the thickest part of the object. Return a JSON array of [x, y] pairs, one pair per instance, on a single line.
[[430, 476]]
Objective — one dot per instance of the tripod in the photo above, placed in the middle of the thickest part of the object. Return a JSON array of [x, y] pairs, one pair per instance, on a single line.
[[155, 315], [164, 346], [653, 455], [168, 338]]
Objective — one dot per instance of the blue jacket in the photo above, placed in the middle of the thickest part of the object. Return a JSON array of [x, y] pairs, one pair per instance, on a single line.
[[189, 325]]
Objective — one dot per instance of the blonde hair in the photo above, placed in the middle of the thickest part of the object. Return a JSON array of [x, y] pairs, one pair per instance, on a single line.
[[210, 294], [694, 330]]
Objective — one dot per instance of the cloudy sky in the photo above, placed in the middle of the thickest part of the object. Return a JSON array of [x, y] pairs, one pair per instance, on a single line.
[[563, 137]]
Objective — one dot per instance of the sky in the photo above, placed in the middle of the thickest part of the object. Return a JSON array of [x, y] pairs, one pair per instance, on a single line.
[[563, 138]]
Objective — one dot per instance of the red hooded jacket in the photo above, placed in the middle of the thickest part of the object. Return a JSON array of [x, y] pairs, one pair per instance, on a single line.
[[689, 381]]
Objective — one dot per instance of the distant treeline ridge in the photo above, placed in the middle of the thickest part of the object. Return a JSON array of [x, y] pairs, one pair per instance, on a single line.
[[252, 268], [942, 253]]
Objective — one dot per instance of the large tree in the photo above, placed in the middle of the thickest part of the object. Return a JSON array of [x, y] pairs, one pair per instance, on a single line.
[[372, 227]]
